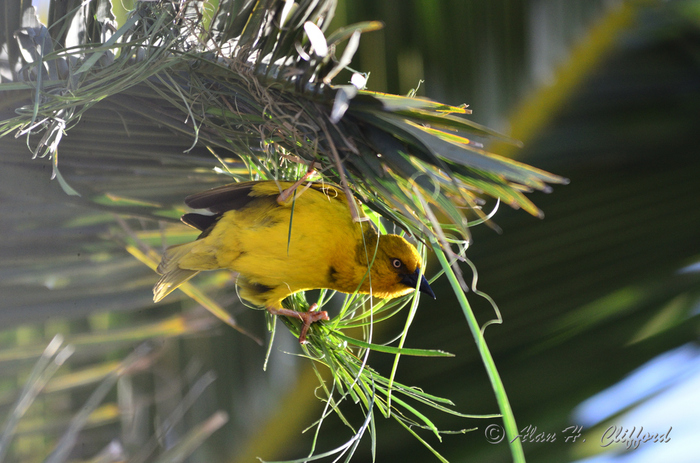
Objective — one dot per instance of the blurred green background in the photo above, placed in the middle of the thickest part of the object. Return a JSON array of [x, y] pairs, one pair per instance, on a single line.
[[599, 300]]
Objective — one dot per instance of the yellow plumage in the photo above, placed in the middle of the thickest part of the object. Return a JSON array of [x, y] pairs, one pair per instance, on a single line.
[[278, 248]]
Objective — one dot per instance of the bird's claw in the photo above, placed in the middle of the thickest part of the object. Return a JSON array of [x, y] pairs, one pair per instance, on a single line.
[[312, 316], [284, 196]]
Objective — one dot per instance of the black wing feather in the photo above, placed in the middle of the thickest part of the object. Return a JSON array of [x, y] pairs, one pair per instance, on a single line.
[[221, 199], [200, 221], [236, 196]]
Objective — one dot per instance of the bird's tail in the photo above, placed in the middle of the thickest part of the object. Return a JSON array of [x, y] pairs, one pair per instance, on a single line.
[[169, 267]]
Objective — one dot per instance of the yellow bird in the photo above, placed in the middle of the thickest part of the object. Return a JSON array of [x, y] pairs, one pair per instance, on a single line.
[[280, 243]]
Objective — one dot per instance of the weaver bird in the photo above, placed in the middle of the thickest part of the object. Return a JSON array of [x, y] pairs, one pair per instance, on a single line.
[[282, 242]]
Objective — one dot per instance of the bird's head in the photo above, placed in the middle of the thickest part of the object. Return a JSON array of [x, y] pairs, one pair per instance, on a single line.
[[396, 268]]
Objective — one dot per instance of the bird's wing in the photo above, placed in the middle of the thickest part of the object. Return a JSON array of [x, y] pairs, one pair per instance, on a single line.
[[224, 198], [237, 195]]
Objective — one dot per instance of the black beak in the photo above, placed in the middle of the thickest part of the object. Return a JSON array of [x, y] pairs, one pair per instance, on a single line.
[[412, 279]]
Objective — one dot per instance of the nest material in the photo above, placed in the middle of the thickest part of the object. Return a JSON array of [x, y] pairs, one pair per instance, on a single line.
[[254, 80]]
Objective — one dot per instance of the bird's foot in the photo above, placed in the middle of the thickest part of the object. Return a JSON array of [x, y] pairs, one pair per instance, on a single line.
[[284, 196], [312, 316]]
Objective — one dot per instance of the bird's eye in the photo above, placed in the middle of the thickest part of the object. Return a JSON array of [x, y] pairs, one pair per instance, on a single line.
[[396, 263]]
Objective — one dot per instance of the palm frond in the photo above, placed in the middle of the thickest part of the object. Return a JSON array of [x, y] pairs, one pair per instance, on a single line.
[[254, 78]]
